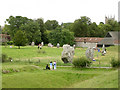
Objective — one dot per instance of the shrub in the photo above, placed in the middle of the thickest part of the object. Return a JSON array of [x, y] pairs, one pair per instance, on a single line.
[[4, 57], [10, 43], [10, 58], [81, 62], [115, 63]]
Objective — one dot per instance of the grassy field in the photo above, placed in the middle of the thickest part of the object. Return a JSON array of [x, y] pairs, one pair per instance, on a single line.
[[26, 70], [48, 54], [61, 78]]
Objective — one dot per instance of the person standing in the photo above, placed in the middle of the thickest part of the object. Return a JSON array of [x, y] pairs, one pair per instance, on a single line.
[[51, 65], [38, 46], [54, 63]]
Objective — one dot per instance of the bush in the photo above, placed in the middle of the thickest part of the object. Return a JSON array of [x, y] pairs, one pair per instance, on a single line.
[[10, 43], [4, 43], [81, 62], [115, 63], [4, 57]]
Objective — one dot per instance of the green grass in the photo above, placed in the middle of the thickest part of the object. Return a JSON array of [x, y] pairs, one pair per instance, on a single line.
[[32, 75], [101, 81], [60, 78], [31, 53]]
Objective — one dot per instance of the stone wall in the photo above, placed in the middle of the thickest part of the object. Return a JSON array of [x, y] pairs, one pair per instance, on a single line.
[[87, 44]]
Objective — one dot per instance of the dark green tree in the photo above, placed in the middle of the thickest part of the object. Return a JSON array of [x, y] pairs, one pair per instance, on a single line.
[[66, 25], [14, 24], [118, 26], [114, 25], [62, 37], [94, 31], [32, 31], [42, 30], [80, 27], [51, 24], [20, 39]]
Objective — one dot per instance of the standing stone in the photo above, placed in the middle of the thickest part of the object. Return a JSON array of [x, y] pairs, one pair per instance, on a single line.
[[103, 47], [90, 53], [49, 44], [103, 50], [74, 46], [32, 44], [58, 45], [42, 43], [67, 54]]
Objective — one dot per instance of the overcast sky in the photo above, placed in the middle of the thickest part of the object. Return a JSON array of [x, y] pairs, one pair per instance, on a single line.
[[60, 10]]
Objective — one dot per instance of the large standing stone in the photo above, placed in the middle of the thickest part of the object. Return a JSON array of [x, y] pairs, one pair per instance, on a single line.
[[90, 53], [67, 54], [103, 47], [103, 50], [42, 44], [58, 45], [32, 44], [50, 45]]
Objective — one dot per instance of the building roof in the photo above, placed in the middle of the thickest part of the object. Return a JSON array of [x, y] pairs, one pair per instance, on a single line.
[[88, 39], [113, 34], [111, 38], [107, 41]]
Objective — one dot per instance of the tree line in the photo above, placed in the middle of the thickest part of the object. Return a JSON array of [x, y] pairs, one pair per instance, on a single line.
[[23, 30]]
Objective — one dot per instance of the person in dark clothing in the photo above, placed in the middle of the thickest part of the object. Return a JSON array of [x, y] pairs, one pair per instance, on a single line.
[[47, 67], [38, 46]]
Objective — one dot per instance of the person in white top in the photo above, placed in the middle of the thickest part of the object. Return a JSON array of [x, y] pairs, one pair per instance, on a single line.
[[54, 63]]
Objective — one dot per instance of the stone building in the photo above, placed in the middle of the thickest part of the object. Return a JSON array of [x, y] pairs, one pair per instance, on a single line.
[[87, 41], [109, 18], [4, 37]]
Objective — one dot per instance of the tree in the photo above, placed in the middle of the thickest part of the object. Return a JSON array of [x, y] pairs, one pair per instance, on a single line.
[[80, 27], [32, 31], [20, 39], [94, 30], [42, 30], [51, 24], [118, 26], [5, 29], [62, 37], [114, 25], [66, 25], [14, 24]]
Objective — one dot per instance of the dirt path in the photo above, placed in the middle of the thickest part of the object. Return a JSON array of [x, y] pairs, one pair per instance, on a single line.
[[88, 67]]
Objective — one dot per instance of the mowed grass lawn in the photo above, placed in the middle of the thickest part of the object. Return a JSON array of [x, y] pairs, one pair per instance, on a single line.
[[32, 75]]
